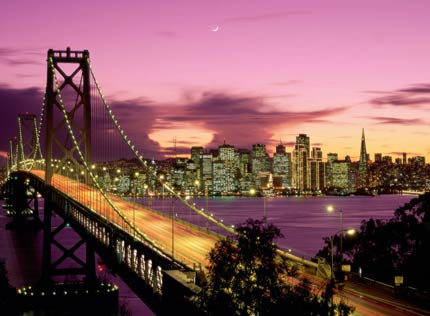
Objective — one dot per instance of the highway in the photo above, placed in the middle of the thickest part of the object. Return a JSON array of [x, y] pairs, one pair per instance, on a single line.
[[371, 301], [191, 246]]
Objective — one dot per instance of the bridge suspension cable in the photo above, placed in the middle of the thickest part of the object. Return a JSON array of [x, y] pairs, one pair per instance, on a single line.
[[133, 148], [89, 169]]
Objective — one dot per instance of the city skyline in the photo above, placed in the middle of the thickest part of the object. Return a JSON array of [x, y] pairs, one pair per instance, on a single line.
[[245, 71]]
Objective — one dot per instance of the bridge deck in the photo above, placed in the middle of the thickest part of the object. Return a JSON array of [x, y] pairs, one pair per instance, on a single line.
[[191, 245]]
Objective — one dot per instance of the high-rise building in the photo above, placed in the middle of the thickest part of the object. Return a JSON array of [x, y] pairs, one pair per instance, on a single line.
[[224, 180], [258, 161], [378, 157], [191, 178], [417, 161], [317, 153], [226, 152], [224, 170], [281, 167], [280, 149], [242, 159], [316, 170], [341, 175], [300, 162], [330, 158], [206, 172], [316, 175], [405, 161], [387, 159], [259, 151], [303, 140], [362, 164], [196, 156], [218, 183]]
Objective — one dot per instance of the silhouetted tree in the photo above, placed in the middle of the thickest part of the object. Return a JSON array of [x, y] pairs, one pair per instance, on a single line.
[[398, 246], [7, 292], [246, 276]]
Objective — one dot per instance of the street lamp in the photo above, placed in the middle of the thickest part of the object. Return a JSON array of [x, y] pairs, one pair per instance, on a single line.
[[331, 209], [332, 279], [348, 232], [173, 226]]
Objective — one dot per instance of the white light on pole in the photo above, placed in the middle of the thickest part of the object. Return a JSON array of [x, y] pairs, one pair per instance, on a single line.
[[331, 209], [348, 232]]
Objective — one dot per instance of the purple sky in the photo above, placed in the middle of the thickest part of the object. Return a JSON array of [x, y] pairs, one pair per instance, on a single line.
[[274, 69]]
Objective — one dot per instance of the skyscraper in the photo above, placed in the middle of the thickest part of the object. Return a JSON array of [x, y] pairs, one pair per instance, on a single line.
[[226, 152], [206, 172], [362, 164], [316, 170], [300, 162], [303, 141], [196, 156], [258, 161], [331, 157], [282, 167]]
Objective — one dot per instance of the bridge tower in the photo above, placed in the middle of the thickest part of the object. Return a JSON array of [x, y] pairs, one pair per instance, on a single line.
[[12, 155], [68, 87], [28, 145], [67, 106], [21, 197]]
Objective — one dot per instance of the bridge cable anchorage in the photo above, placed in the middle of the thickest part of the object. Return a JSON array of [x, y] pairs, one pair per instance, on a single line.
[[89, 170]]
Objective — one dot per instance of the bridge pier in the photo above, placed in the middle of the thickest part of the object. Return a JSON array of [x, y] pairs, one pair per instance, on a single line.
[[21, 203], [51, 269]]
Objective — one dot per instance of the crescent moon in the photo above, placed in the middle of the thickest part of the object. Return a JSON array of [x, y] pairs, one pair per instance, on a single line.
[[215, 29]]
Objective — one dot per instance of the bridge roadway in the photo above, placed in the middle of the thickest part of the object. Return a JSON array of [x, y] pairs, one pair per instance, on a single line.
[[191, 245]]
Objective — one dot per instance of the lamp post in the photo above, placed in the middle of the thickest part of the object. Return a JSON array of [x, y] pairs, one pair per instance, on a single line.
[[331, 209], [173, 225], [332, 279], [350, 232]]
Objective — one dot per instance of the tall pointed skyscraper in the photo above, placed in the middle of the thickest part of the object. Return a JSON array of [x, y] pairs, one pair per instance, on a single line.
[[362, 164]]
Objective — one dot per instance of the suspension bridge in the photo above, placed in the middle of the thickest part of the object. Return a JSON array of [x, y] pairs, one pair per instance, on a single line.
[[74, 159]]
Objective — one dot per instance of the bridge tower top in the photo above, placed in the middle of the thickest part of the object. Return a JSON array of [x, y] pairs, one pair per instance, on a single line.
[[68, 106], [27, 137]]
